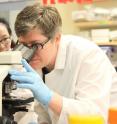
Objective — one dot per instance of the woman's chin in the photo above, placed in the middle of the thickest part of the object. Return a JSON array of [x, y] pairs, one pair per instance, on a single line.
[[35, 65]]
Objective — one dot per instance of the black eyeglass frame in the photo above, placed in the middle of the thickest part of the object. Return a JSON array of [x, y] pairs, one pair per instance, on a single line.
[[38, 45]]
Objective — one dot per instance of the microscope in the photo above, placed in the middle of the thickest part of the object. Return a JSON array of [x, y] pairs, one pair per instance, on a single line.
[[9, 104]]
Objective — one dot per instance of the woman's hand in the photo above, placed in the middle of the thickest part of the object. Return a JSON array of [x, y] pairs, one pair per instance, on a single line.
[[30, 79]]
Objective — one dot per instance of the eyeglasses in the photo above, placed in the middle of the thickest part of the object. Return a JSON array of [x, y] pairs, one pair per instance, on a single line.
[[5, 40], [37, 45]]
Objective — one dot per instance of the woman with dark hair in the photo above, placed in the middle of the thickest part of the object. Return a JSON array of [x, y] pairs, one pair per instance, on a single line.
[[6, 43]]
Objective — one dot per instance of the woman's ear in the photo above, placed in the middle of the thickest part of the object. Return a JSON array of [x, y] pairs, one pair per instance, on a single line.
[[58, 38]]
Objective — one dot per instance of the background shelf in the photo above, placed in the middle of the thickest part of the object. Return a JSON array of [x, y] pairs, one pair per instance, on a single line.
[[96, 24], [107, 43]]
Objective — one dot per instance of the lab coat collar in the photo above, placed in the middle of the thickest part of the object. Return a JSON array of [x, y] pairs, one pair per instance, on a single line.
[[61, 56]]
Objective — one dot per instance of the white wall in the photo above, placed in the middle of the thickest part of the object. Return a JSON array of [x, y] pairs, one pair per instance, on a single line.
[[66, 14]]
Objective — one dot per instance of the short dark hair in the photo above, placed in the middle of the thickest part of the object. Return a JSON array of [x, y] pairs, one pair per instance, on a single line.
[[4, 22], [45, 18]]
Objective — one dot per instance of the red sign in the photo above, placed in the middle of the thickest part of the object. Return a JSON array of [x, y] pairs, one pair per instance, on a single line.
[[65, 1], [84, 1]]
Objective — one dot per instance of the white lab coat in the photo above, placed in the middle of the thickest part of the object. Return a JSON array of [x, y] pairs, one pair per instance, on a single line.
[[83, 76]]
